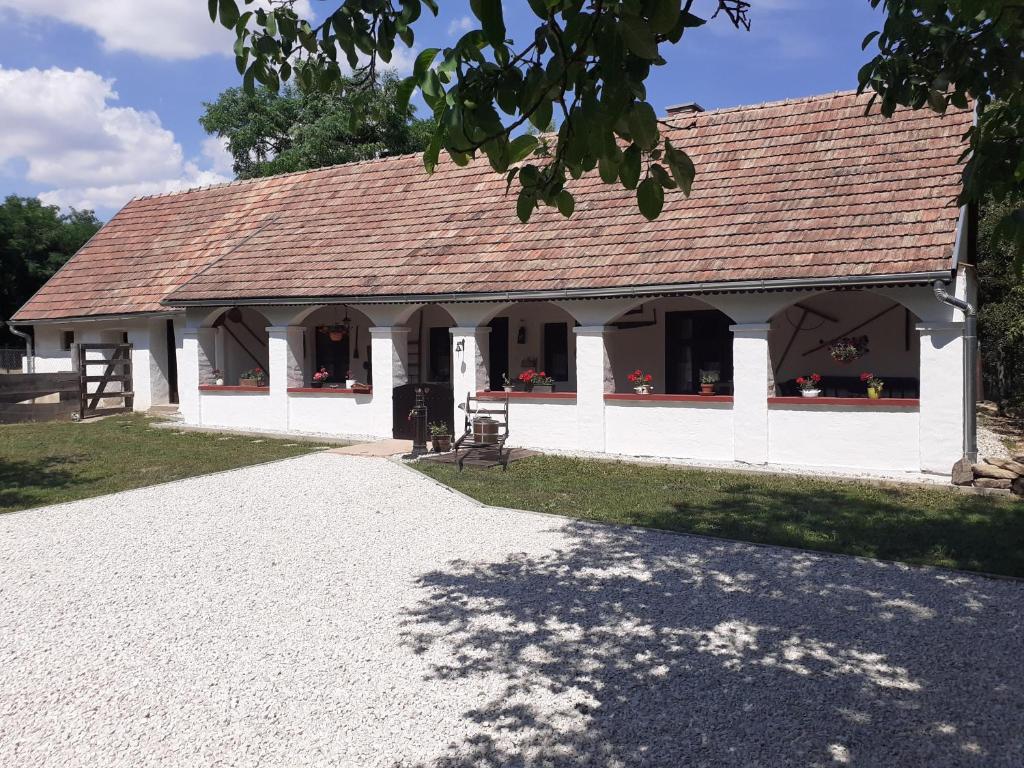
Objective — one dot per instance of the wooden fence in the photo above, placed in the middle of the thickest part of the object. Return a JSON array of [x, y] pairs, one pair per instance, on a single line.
[[38, 396]]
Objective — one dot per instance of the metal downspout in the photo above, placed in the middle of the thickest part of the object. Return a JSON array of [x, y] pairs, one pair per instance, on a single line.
[[30, 356], [970, 367]]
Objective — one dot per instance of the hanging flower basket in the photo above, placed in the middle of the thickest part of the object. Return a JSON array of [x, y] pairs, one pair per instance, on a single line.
[[848, 349]]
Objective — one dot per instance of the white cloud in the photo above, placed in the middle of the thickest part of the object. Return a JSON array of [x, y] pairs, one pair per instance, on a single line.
[[165, 29], [457, 26], [215, 150], [62, 126]]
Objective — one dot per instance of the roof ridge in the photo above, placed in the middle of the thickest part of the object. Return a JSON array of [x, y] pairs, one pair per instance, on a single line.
[[782, 102], [274, 177], [386, 158]]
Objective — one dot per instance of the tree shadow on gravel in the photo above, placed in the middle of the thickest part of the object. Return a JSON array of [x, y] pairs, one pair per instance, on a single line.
[[20, 480], [629, 649]]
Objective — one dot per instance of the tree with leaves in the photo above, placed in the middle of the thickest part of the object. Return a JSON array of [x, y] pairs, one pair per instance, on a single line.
[[587, 62], [295, 129], [1001, 313], [937, 53], [35, 241]]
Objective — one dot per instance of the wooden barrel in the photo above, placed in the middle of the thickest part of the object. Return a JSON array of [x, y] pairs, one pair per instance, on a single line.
[[485, 430]]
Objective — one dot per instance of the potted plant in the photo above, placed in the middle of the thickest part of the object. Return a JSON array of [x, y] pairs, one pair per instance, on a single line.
[[254, 377], [875, 385], [708, 379], [848, 349], [809, 385], [641, 382], [440, 438], [537, 382], [218, 377], [320, 378], [349, 381], [506, 383]]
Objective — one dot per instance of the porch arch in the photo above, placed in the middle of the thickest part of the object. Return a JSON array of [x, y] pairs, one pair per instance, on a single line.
[[803, 331]]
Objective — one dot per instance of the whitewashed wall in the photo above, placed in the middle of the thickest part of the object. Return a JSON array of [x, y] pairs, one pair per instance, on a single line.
[[542, 424], [337, 415], [685, 430], [236, 409], [855, 437], [533, 317]]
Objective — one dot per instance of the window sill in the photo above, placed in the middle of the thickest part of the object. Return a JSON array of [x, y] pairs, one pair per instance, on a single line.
[[633, 397], [234, 388], [855, 402], [327, 391], [526, 395]]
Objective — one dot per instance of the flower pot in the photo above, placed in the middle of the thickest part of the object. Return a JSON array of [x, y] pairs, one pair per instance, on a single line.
[[219, 382], [642, 389], [316, 384], [349, 383], [248, 382], [707, 389], [874, 393], [441, 443], [542, 388], [810, 392]]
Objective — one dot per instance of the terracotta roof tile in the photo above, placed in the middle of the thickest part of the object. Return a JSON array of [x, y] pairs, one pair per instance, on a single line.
[[803, 188]]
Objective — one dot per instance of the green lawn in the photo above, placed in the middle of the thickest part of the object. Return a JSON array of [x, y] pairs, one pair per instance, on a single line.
[[915, 525], [62, 461]]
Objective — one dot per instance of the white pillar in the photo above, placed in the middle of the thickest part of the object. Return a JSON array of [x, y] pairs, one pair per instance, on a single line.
[[284, 356], [942, 395], [389, 352], [594, 377], [751, 376], [470, 350], [195, 367]]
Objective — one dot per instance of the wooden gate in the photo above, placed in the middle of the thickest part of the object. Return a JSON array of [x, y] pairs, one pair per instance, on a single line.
[[38, 396], [115, 362]]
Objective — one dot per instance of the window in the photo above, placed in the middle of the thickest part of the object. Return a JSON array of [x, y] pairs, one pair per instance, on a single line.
[[67, 340], [696, 342], [556, 351], [440, 370]]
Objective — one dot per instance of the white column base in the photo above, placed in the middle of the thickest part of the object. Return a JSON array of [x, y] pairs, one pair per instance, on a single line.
[[751, 376]]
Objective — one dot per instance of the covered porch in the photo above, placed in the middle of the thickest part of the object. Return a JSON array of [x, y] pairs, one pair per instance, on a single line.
[[748, 349]]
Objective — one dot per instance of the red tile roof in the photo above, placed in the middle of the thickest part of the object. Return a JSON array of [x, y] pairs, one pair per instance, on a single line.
[[808, 188]]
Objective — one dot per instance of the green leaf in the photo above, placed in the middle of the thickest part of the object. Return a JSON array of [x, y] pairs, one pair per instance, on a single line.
[[651, 198], [541, 117], [661, 176], [608, 168], [271, 24], [491, 20], [664, 15], [423, 62], [867, 40], [525, 204], [433, 151], [228, 13], [643, 125], [213, 9], [639, 38], [566, 203], [403, 93], [629, 168], [683, 170], [521, 147]]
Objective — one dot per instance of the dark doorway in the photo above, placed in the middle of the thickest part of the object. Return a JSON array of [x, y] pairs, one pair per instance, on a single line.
[[172, 365], [440, 407], [440, 369], [695, 342], [556, 351], [332, 355], [498, 352]]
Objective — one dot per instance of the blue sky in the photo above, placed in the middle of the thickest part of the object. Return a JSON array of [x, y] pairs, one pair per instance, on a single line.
[[99, 99]]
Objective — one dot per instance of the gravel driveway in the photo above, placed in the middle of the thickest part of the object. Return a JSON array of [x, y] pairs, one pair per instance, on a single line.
[[339, 611]]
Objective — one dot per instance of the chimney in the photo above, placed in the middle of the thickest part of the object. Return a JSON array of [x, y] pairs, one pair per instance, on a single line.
[[688, 108]]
